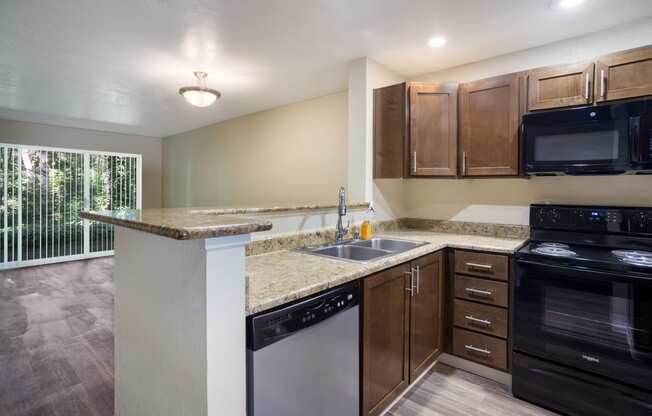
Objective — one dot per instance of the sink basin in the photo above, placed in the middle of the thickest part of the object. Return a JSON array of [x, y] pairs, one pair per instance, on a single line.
[[395, 246], [362, 250], [351, 252]]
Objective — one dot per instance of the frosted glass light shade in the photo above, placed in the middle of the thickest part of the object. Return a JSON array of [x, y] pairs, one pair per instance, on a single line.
[[199, 97]]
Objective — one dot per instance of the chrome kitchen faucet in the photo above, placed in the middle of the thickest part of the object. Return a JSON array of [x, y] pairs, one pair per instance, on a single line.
[[341, 212]]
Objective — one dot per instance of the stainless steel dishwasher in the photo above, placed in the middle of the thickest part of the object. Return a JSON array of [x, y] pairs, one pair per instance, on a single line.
[[303, 358]]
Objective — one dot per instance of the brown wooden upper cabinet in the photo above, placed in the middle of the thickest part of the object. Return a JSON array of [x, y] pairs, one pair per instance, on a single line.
[[415, 130], [389, 132], [560, 86], [623, 75], [401, 328], [433, 129], [490, 113]]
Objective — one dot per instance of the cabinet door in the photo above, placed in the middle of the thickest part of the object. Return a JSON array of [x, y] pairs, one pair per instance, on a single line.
[[425, 313], [490, 117], [433, 129], [624, 75], [560, 86], [385, 323], [389, 131]]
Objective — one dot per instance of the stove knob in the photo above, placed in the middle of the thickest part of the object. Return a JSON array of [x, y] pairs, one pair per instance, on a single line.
[[554, 215]]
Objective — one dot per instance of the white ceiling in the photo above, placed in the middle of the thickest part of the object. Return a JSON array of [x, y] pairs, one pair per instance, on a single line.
[[117, 65]]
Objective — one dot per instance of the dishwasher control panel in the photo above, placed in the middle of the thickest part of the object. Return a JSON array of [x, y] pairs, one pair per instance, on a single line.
[[272, 326]]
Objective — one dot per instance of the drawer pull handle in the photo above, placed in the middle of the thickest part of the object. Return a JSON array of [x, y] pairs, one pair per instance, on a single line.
[[476, 349], [478, 292], [473, 319], [478, 266]]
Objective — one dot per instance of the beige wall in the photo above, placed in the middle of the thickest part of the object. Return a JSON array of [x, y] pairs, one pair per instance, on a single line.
[[506, 200], [291, 154], [18, 132]]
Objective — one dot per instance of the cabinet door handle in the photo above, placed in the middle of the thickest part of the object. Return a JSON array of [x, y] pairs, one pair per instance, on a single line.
[[473, 319], [411, 288], [476, 349], [418, 270], [463, 163], [602, 81], [414, 162], [586, 86], [478, 266], [478, 292]]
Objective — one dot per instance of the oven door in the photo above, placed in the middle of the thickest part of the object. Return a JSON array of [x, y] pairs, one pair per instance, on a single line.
[[591, 320], [592, 147]]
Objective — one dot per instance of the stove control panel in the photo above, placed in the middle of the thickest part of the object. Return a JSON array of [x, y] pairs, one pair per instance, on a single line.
[[640, 221], [592, 219]]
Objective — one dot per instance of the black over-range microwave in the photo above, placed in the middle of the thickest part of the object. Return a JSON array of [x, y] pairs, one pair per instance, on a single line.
[[591, 140]]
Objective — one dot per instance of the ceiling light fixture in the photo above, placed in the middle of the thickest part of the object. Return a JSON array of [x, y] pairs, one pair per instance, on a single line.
[[199, 95], [566, 4], [437, 42]]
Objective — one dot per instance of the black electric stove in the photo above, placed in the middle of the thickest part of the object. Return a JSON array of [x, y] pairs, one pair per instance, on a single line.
[[583, 311]]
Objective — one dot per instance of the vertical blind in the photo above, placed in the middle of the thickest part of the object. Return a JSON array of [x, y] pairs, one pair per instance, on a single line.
[[42, 191]]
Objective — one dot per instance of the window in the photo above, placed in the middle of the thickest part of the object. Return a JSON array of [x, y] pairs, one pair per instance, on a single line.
[[42, 191]]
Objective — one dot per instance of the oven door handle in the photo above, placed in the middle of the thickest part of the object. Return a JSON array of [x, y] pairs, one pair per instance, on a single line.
[[619, 276]]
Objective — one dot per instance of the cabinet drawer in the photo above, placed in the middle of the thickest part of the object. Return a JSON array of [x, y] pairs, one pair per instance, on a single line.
[[493, 266], [481, 290], [481, 318], [480, 348]]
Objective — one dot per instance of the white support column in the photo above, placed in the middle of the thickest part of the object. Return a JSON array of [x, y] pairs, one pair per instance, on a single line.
[[364, 75], [359, 167], [179, 325]]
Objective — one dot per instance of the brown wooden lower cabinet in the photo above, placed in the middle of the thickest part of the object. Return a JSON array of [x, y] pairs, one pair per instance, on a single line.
[[481, 318], [481, 348], [401, 328], [425, 314], [478, 308], [486, 291], [385, 338]]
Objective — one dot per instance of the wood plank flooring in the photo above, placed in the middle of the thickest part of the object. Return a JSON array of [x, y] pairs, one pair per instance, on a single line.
[[56, 352], [447, 391], [56, 340]]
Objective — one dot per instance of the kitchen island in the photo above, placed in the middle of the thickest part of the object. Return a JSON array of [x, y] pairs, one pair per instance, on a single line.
[[179, 310], [183, 288]]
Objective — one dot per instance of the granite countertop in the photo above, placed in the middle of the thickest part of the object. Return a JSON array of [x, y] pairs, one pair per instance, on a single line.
[[277, 208], [180, 223], [193, 223], [279, 277]]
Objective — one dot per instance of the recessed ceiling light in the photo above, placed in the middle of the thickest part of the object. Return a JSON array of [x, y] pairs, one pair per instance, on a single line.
[[437, 42], [199, 95], [565, 4]]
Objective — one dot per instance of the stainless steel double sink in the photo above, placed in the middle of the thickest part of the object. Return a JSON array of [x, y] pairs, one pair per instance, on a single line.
[[363, 250]]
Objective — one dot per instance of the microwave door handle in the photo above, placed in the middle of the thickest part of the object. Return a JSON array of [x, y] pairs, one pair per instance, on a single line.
[[635, 138]]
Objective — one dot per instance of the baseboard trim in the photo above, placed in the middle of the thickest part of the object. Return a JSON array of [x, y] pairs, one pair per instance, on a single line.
[[407, 390], [478, 369]]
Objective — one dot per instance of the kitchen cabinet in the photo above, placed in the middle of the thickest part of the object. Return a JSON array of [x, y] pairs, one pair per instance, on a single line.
[[389, 123], [425, 313], [415, 130], [433, 129], [385, 337], [560, 86], [480, 348], [623, 75], [480, 308], [490, 113], [401, 328]]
